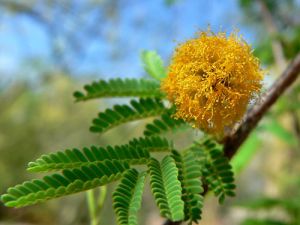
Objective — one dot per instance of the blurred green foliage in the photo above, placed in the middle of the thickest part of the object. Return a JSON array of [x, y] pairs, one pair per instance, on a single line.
[[290, 206], [36, 119], [153, 64]]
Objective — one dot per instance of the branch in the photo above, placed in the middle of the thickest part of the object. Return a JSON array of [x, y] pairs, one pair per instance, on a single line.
[[234, 140], [26, 9], [273, 32]]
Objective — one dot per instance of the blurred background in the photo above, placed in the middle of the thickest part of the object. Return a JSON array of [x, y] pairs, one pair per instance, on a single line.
[[50, 48]]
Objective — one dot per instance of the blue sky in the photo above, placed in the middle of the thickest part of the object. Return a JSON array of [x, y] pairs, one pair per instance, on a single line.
[[150, 25]]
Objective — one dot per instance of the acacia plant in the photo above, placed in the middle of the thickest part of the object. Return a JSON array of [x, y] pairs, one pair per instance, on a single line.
[[209, 85]]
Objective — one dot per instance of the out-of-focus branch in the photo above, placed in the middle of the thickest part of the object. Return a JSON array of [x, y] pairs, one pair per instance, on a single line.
[[278, 54], [296, 125], [234, 140], [273, 32], [26, 9]]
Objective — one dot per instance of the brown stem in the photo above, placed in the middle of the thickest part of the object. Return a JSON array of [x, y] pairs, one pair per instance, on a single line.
[[234, 140], [169, 222]]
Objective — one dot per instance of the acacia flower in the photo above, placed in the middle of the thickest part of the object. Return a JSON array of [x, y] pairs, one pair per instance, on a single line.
[[211, 80]]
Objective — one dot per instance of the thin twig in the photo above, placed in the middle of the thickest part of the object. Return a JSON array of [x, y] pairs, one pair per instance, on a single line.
[[233, 141]]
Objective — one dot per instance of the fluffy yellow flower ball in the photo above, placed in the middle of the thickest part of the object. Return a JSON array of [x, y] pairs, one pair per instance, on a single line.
[[211, 80]]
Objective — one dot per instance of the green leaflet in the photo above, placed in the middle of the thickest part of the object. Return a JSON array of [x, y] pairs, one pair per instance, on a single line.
[[164, 124], [166, 188], [120, 88], [123, 113], [136, 152], [153, 65], [217, 171], [69, 182], [128, 196], [190, 177]]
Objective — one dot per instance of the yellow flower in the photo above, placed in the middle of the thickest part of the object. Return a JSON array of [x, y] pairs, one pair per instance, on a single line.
[[211, 80]]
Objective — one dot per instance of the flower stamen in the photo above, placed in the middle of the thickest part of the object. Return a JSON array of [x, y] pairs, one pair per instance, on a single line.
[[211, 81]]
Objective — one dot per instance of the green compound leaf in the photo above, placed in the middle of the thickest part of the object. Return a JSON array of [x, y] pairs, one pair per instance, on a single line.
[[190, 177], [123, 113], [120, 88], [166, 188], [164, 124], [69, 182], [135, 152], [217, 171], [153, 65], [127, 197], [152, 144], [75, 158]]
